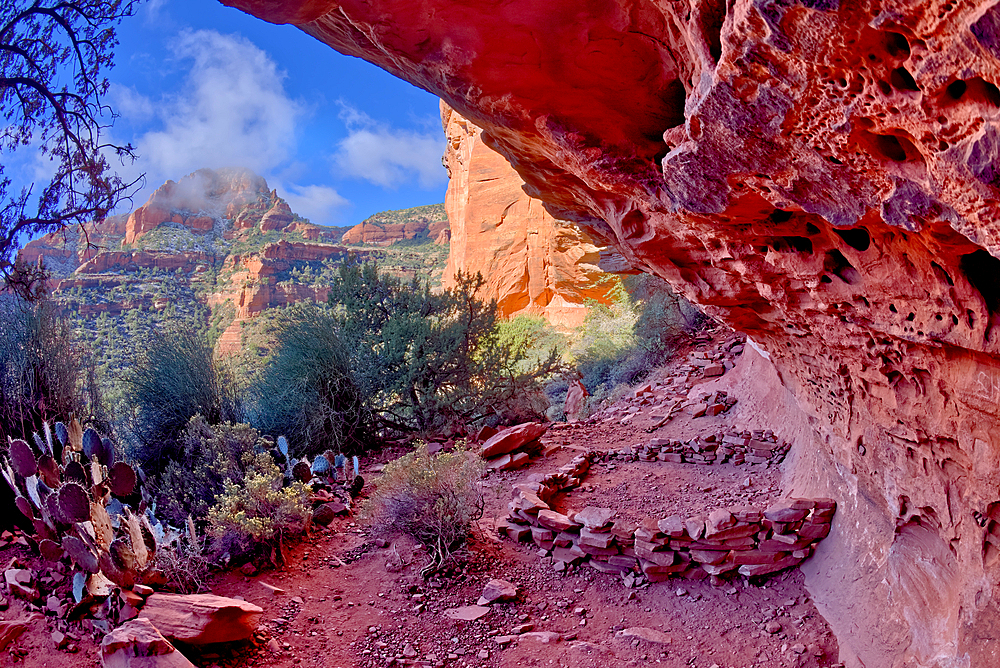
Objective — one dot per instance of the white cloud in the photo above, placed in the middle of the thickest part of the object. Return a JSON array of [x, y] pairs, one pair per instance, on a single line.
[[320, 204], [231, 111], [387, 156], [130, 103], [154, 9]]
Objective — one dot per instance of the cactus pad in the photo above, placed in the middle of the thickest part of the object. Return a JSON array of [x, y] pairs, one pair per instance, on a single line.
[[43, 530], [124, 579], [74, 472], [79, 586], [52, 508], [48, 438], [96, 472], [301, 471], [74, 503], [51, 550], [107, 456], [133, 526], [122, 555], [321, 466], [92, 445], [22, 458], [104, 531], [43, 490], [148, 538], [283, 445], [39, 443], [48, 470], [75, 431], [25, 507], [80, 553], [61, 434], [122, 479]]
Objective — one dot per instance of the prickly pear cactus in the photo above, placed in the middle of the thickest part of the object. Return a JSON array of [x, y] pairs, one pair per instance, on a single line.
[[283, 449], [302, 471], [92, 445], [81, 554], [74, 503], [122, 479], [23, 459], [72, 489], [321, 466], [48, 470], [74, 471]]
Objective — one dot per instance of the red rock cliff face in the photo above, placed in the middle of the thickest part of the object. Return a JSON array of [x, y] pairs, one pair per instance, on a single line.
[[195, 200], [533, 263], [821, 174]]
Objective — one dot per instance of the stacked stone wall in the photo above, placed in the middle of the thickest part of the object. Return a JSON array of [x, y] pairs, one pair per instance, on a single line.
[[741, 540]]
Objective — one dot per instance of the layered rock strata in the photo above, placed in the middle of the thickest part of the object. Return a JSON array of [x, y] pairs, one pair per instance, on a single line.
[[253, 287], [822, 175]]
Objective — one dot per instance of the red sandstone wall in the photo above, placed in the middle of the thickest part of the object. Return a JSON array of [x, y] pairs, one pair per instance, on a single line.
[[533, 263]]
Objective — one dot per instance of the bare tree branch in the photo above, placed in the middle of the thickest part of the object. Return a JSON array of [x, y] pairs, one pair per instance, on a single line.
[[53, 54]]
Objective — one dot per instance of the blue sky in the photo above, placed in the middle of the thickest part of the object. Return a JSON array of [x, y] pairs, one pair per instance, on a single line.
[[198, 84]]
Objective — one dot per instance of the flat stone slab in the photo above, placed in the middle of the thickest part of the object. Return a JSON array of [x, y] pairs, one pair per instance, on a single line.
[[466, 613], [594, 518], [138, 644], [512, 438]]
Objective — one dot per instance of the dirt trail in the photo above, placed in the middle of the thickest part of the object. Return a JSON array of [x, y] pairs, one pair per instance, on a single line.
[[347, 603]]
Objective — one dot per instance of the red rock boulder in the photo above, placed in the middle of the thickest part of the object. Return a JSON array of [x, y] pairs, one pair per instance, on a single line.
[[202, 619], [512, 438], [138, 644]]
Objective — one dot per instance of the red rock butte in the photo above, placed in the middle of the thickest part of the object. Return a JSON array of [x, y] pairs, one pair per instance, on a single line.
[[822, 175]]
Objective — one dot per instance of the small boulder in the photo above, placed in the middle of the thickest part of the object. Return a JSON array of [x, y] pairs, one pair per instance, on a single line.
[[512, 438], [466, 613], [19, 582], [326, 513], [137, 644], [499, 590], [202, 619]]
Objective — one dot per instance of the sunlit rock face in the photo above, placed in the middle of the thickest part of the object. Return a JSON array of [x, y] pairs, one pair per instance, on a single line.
[[533, 263], [822, 175]]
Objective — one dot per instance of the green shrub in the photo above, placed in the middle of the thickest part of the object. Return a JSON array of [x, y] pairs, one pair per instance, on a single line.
[[261, 511], [302, 383], [174, 378], [207, 457], [435, 499], [45, 373], [621, 342], [530, 338]]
